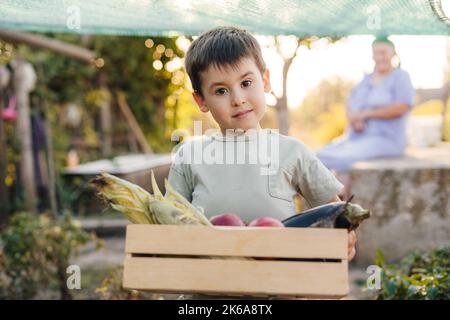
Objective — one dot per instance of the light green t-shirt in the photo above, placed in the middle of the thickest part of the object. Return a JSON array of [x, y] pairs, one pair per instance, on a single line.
[[252, 175]]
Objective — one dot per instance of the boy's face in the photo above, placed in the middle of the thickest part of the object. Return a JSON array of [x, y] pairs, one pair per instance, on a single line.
[[235, 97]]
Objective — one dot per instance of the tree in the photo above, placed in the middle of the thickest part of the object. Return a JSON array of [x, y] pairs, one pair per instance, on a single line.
[[322, 114], [288, 57]]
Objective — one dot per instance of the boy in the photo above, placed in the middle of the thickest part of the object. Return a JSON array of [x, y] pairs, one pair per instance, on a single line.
[[230, 79]]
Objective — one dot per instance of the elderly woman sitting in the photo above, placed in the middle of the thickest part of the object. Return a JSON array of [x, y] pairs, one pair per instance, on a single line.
[[377, 111]]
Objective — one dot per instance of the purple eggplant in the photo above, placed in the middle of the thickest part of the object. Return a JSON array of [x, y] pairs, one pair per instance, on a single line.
[[341, 214]]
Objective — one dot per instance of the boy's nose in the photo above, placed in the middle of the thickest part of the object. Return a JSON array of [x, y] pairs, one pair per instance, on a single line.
[[237, 100]]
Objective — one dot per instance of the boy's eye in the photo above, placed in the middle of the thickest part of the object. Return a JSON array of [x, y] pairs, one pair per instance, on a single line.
[[221, 91], [246, 83]]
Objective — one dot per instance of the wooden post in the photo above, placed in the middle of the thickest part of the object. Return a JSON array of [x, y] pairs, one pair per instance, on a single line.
[[50, 166], [54, 45], [445, 94], [132, 142], [123, 105], [3, 163], [105, 118], [445, 97], [281, 106], [24, 134]]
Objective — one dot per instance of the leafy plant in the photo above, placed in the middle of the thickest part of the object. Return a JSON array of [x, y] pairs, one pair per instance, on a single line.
[[35, 253], [330, 124], [322, 116], [419, 276], [111, 288]]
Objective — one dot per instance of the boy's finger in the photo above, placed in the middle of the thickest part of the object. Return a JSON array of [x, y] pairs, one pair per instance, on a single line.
[[353, 234], [352, 238], [351, 253]]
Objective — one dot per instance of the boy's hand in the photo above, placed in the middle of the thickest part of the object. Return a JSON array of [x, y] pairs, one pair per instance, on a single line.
[[351, 250], [351, 245]]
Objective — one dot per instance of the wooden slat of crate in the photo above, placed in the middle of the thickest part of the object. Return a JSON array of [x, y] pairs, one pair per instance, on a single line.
[[241, 277], [307, 243]]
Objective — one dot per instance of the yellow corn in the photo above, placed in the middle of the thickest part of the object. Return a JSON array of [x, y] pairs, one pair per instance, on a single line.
[[139, 206], [165, 213], [179, 201], [124, 196]]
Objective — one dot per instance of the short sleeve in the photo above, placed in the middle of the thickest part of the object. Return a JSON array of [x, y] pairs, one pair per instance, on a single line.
[[179, 178], [403, 90], [315, 182]]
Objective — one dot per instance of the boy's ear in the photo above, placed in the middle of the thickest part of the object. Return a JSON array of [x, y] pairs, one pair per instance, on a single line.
[[200, 101], [266, 80]]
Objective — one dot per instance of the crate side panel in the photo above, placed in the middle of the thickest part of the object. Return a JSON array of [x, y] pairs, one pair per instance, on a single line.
[[255, 277], [236, 241]]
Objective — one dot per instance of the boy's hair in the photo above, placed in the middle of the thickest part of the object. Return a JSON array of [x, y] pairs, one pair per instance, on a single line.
[[221, 46]]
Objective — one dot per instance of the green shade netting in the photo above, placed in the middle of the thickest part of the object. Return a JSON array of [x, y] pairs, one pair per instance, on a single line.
[[172, 17]]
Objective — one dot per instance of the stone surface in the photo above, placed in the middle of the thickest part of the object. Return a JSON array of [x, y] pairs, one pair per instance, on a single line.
[[410, 202]]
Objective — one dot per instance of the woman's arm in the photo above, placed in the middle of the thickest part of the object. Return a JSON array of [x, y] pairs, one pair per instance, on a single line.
[[389, 112], [392, 111]]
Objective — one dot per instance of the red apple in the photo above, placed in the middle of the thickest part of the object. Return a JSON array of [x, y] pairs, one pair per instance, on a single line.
[[227, 219], [266, 222]]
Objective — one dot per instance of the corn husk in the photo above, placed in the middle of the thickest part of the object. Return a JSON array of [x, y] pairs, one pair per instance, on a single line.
[[139, 206], [124, 196]]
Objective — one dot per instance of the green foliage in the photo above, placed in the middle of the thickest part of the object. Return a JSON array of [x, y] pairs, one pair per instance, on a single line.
[[129, 63], [420, 275], [330, 124], [92, 277], [319, 100], [111, 288], [35, 253], [142, 68], [95, 98], [321, 116], [7, 52]]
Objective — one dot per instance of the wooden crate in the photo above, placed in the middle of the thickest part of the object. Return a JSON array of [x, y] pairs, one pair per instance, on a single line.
[[301, 262]]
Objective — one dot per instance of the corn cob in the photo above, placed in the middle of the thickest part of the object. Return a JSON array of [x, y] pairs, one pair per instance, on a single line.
[[124, 196], [181, 202], [167, 214], [139, 206]]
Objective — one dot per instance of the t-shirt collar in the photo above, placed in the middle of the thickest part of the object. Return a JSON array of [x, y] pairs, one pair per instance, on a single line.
[[236, 135]]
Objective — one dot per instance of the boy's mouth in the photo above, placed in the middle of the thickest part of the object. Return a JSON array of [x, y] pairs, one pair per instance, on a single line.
[[242, 114]]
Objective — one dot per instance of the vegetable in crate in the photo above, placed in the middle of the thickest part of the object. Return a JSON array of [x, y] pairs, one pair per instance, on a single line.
[[333, 215], [266, 222], [139, 206], [123, 196], [227, 219]]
